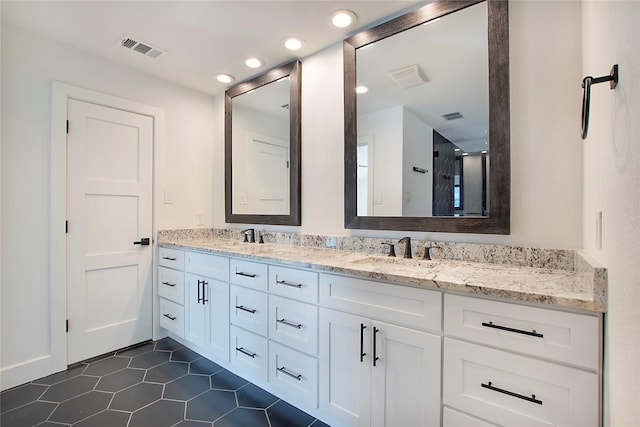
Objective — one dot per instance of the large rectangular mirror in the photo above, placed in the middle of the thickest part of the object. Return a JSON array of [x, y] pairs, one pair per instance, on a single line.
[[262, 148], [427, 121]]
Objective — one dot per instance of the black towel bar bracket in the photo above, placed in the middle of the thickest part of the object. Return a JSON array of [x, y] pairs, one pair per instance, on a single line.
[[612, 78]]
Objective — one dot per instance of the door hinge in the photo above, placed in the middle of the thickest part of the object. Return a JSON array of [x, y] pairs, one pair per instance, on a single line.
[[67, 126], [67, 325], [66, 227]]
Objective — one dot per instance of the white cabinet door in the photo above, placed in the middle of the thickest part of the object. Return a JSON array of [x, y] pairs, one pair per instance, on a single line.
[[207, 314], [345, 367], [196, 318], [405, 380]]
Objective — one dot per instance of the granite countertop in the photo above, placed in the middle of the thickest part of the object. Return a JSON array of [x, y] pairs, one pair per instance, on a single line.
[[582, 288]]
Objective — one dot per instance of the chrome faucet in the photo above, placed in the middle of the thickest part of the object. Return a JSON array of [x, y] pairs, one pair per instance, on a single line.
[[252, 235], [407, 246]]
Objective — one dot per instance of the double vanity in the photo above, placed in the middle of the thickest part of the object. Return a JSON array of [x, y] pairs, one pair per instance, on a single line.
[[357, 338]]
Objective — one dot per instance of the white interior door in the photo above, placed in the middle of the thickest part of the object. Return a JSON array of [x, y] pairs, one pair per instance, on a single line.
[[109, 208], [268, 168]]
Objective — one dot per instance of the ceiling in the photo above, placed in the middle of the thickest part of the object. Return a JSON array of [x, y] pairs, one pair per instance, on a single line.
[[200, 38]]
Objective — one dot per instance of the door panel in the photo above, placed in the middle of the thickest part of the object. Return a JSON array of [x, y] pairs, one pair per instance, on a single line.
[[109, 207]]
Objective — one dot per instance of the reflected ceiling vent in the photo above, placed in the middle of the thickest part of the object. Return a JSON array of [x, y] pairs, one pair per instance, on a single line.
[[140, 47], [410, 76], [452, 116]]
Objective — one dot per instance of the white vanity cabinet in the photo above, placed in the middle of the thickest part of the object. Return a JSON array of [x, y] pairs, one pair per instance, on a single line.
[[509, 364], [359, 352], [171, 290], [374, 370], [248, 307], [207, 303], [293, 334]]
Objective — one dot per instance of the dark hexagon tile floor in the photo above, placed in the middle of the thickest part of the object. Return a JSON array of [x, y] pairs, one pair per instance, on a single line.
[[155, 384]]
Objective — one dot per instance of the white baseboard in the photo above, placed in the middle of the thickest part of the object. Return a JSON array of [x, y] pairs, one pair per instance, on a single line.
[[14, 375]]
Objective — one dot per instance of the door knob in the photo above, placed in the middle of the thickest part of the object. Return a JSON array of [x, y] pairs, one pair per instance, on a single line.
[[143, 242]]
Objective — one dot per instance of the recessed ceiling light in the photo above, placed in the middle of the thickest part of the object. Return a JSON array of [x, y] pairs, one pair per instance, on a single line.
[[456, 149], [465, 154], [293, 43], [225, 78], [343, 18], [484, 151], [362, 89], [254, 63]]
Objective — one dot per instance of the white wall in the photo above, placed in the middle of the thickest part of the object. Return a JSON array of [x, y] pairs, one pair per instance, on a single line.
[[29, 64], [611, 35]]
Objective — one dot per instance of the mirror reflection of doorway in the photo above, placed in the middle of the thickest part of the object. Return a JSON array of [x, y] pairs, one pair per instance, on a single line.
[[365, 175], [268, 169]]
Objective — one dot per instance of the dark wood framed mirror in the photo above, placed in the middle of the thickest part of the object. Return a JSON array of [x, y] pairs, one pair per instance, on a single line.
[[262, 148], [492, 216]]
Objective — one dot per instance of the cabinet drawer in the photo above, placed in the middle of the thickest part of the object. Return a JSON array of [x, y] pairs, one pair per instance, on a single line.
[[513, 390], [402, 305], [213, 266], [249, 274], [172, 258], [294, 374], [295, 284], [294, 324], [452, 418], [172, 317], [567, 337], [248, 309], [249, 352], [171, 284]]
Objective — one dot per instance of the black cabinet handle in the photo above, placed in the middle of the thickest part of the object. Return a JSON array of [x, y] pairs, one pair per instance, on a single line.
[[169, 284], [517, 331], [199, 291], [168, 258], [143, 242], [286, 322], [204, 292], [291, 374], [240, 273], [531, 399], [285, 283], [375, 357], [169, 317], [362, 353], [248, 353], [243, 308]]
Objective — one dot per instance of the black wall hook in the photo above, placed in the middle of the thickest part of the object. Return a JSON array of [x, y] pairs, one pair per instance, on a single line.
[[586, 94]]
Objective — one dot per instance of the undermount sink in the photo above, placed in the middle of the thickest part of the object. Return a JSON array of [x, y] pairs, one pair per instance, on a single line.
[[399, 261]]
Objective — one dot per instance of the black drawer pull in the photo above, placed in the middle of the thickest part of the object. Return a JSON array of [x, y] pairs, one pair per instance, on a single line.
[[510, 393], [169, 317], [362, 353], [292, 375], [375, 352], [243, 308], [169, 284], [248, 353], [285, 283], [517, 331], [169, 258], [286, 322], [240, 273]]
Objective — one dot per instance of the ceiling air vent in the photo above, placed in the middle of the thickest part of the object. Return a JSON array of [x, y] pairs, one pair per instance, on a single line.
[[452, 116], [407, 77], [140, 47]]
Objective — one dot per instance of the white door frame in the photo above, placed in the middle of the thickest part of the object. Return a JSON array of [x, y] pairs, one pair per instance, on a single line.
[[60, 93]]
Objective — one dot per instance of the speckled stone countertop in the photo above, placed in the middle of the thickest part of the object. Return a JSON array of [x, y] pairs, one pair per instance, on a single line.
[[583, 286]]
